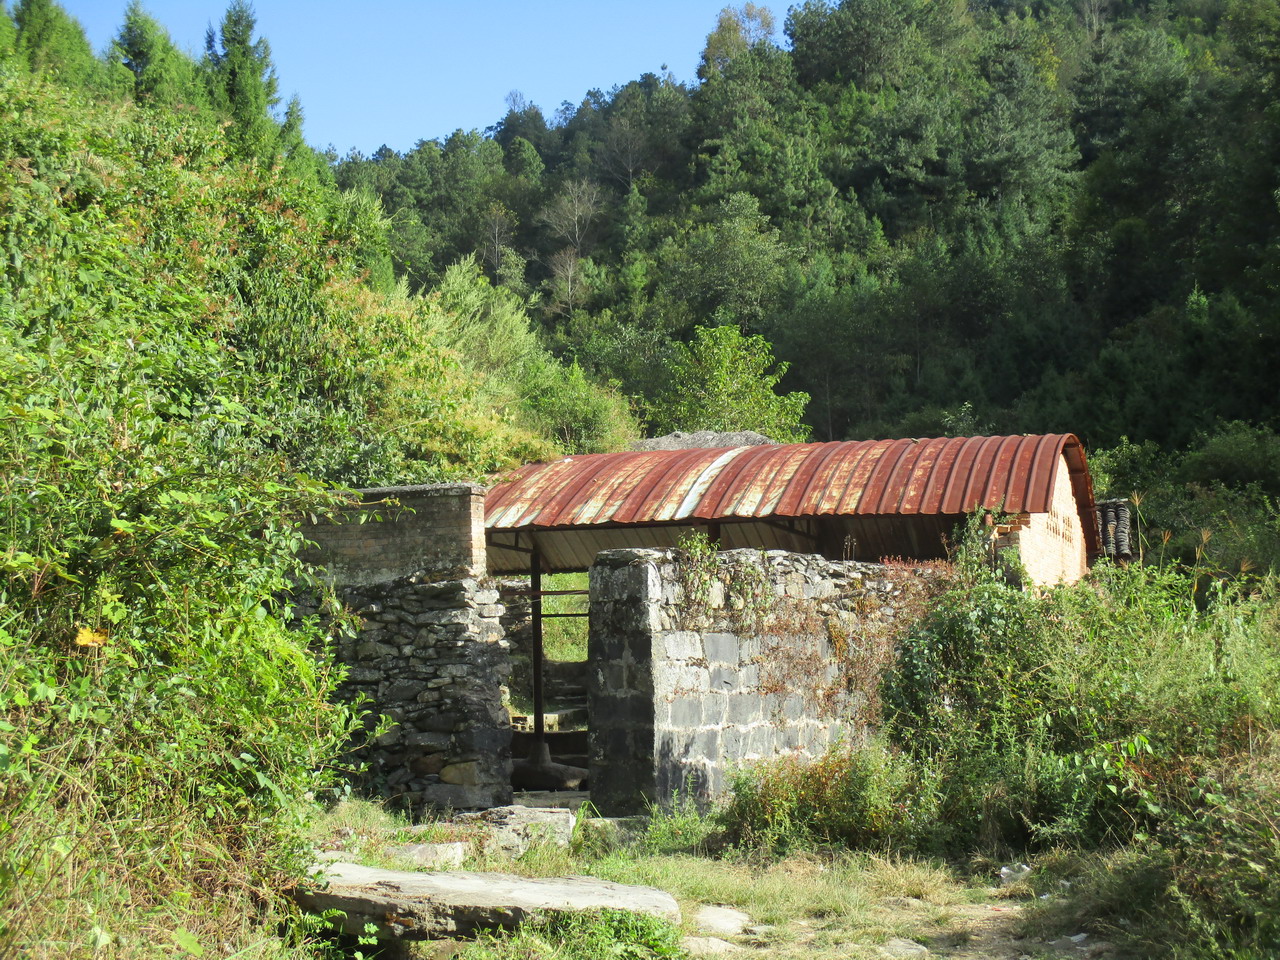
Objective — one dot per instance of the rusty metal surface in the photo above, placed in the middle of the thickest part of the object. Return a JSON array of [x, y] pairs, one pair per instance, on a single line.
[[873, 478]]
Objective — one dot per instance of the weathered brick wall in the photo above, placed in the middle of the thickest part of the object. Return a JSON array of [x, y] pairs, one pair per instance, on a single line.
[[699, 668], [429, 650], [436, 530], [1051, 545]]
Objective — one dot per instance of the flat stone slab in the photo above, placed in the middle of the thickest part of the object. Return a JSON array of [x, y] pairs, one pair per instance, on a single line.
[[513, 829], [432, 906], [549, 799], [721, 921]]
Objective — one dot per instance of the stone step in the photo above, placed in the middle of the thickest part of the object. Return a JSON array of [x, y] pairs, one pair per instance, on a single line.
[[406, 905]]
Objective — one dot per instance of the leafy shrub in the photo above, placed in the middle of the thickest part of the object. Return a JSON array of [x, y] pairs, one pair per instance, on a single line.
[[1212, 506], [861, 796], [1016, 721]]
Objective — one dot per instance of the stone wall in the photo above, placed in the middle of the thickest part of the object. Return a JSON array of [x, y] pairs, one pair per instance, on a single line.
[[703, 664], [428, 650], [436, 530]]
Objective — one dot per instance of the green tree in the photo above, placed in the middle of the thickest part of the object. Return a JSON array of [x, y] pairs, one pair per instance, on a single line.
[[51, 41], [736, 32], [153, 70], [725, 381], [8, 33], [729, 270], [242, 81]]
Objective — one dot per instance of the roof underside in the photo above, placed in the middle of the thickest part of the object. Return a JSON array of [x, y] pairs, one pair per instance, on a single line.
[[879, 493]]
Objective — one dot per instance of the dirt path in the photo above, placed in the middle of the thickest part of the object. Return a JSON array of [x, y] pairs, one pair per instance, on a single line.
[[990, 931], [965, 931]]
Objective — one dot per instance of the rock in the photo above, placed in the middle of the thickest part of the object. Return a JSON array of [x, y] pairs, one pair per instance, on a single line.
[[465, 774], [427, 764], [432, 906], [513, 829], [1068, 943], [706, 946], [702, 439], [904, 903], [433, 856], [721, 921], [898, 947]]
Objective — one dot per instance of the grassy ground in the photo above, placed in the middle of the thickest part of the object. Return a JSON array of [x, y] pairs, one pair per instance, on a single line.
[[815, 904]]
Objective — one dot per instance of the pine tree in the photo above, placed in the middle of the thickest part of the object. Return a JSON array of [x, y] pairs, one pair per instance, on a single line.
[[242, 81], [157, 71], [51, 41]]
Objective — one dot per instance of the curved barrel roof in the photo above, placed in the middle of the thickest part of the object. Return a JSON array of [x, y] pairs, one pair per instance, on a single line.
[[949, 476]]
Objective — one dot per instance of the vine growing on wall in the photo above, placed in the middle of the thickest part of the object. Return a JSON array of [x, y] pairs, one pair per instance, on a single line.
[[699, 574], [834, 656], [831, 652], [719, 585]]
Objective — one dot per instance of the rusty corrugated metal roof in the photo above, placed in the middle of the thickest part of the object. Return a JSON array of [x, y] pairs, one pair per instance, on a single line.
[[949, 476]]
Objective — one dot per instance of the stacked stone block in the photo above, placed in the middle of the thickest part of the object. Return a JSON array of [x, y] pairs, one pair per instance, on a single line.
[[428, 652], [684, 689], [434, 529]]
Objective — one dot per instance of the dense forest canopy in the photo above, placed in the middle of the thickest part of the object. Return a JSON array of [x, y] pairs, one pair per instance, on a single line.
[[1052, 216], [862, 219], [1014, 217]]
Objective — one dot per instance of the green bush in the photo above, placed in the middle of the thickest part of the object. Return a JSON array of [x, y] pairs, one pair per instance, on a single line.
[[867, 796], [1119, 713]]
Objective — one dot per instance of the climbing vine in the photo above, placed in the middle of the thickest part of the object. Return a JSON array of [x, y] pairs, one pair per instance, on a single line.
[[832, 651]]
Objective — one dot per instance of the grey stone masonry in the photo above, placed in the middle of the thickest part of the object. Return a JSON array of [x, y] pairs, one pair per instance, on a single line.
[[428, 651], [436, 530], [698, 668]]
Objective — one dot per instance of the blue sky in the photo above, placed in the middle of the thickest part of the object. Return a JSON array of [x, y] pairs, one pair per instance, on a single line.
[[398, 71]]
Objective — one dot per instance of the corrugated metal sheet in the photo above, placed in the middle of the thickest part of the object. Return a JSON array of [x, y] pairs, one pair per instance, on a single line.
[[862, 499], [857, 477]]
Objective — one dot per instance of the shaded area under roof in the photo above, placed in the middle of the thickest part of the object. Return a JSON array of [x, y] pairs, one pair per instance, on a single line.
[[882, 496]]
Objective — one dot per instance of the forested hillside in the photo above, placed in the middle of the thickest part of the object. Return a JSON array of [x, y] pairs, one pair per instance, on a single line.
[[1015, 217]]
